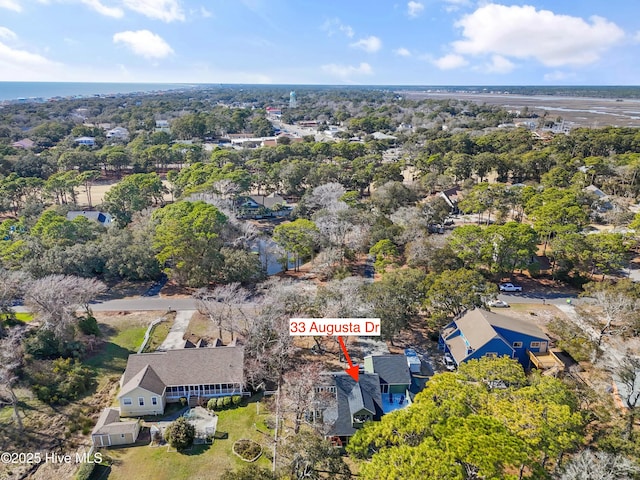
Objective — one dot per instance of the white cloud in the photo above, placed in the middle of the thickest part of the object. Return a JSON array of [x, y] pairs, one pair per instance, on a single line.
[[402, 52], [499, 64], [144, 43], [16, 64], [11, 5], [454, 5], [7, 34], [347, 71], [559, 76], [204, 13], [334, 25], [414, 8], [165, 10], [450, 61], [370, 44], [524, 32], [102, 9]]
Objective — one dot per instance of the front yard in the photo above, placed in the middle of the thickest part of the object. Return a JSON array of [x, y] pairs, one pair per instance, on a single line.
[[202, 461]]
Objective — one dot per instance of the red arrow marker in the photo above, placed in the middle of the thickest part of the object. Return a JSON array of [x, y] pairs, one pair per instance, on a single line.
[[353, 370]]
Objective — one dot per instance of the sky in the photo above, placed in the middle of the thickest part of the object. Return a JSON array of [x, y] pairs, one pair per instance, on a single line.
[[334, 42]]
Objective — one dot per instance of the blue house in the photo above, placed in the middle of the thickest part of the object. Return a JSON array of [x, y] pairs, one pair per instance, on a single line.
[[480, 333]]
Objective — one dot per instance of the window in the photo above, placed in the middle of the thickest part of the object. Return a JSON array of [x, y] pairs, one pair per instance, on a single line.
[[141, 401], [126, 401], [491, 355], [535, 345], [517, 344], [154, 400], [385, 388]]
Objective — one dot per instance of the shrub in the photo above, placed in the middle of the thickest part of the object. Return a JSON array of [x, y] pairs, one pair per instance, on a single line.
[[220, 403], [183, 401], [60, 381], [180, 434], [247, 449], [85, 470], [226, 402], [89, 325], [236, 400], [211, 404]]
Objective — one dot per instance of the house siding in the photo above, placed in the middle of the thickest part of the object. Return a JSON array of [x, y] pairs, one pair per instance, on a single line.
[[496, 345], [521, 352], [135, 409]]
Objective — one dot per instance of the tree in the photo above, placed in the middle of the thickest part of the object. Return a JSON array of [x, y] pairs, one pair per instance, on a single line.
[[617, 303], [222, 306], [457, 428], [12, 285], [298, 237], [454, 291], [298, 391], [180, 434], [133, 194], [590, 465], [87, 178], [511, 245], [493, 372], [396, 299], [10, 363], [187, 238], [54, 300], [629, 377], [312, 457]]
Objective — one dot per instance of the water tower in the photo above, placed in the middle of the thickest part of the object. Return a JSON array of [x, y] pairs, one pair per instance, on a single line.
[[293, 101]]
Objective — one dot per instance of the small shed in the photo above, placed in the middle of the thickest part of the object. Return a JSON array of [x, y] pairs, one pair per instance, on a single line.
[[110, 431]]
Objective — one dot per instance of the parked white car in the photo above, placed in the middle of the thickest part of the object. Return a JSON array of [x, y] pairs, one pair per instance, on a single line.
[[447, 361], [497, 304], [509, 287]]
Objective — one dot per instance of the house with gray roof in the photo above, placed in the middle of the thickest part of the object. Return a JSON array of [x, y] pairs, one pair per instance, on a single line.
[[110, 431], [479, 333], [393, 371], [356, 403], [151, 380]]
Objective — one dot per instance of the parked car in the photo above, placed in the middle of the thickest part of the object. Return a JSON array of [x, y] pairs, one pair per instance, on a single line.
[[497, 304], [447, 361], [509, 287]]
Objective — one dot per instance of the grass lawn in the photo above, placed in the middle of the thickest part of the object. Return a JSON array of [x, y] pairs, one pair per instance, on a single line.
[[208, 461], [159, 333], [121, 339], [19, 316]]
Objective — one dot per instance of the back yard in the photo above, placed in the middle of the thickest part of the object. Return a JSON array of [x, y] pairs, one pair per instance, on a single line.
[[202, 461]]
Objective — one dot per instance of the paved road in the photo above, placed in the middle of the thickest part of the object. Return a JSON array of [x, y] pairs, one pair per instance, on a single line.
[[174, 338]]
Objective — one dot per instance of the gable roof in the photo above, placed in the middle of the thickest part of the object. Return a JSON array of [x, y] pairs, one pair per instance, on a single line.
[[353, 397], [392, 369], [109, 423], [147, 379], [187, 366], [477, 327], [24, 143]]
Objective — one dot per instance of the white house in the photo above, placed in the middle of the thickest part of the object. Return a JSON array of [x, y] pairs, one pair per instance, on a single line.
[[118, 133], [88, 141], [151, 380]]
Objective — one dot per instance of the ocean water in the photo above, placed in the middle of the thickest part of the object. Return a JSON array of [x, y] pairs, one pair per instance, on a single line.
[[45, 90]]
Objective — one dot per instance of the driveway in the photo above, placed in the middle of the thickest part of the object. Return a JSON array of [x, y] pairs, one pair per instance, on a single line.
[[174, 340]]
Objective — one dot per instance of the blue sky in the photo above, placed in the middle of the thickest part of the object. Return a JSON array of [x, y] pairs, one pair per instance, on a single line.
[[420, 42]]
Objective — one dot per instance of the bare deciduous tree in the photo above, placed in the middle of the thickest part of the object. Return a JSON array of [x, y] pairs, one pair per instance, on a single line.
[[54, 300], [223, 306], [327, 197], [589, 465], [617, 306], [12, 284], [629, 378], [298, 391], [10, 362]]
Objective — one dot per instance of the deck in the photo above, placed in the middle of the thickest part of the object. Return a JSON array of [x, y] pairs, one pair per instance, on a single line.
[[546, 360]]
